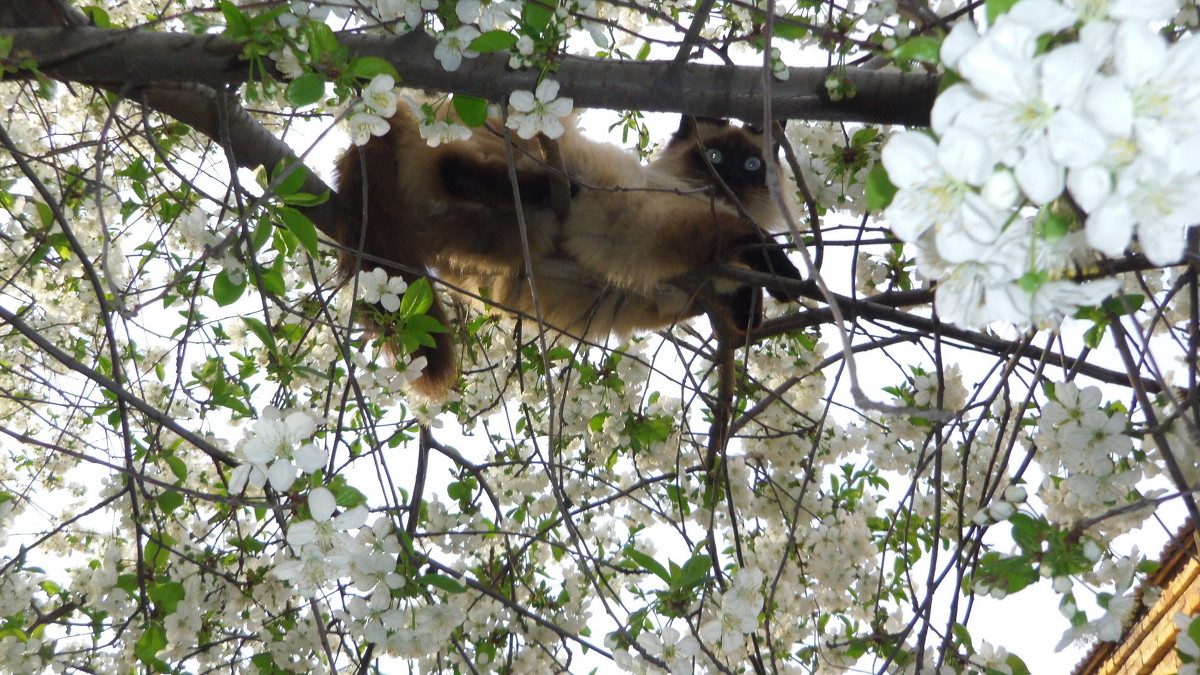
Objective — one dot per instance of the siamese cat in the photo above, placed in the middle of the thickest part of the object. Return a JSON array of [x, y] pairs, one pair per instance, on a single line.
[[615, 263]]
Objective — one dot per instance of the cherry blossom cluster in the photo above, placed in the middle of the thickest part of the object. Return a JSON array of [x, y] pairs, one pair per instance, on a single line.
[[1082, 447], [1185, 644], [275, 449], [372, 112], [1117, 606], [1099, 127], [539, 111], [735, 615]]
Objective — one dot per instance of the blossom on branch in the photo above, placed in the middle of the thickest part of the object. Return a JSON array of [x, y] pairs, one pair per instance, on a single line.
[[1098, 124], [540, 111]]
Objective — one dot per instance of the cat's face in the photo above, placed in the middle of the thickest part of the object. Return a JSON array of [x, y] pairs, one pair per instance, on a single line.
[[702, 147]]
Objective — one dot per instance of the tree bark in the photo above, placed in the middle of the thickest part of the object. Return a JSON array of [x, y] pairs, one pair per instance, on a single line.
[[99, 56]]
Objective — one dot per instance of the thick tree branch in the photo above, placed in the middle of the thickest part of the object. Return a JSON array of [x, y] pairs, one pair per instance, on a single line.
[[104, 56], [885, 307], [203, 108]]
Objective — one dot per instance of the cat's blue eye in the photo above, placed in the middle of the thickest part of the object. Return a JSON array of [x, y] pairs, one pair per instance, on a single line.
[[714, 155], [753, 164]]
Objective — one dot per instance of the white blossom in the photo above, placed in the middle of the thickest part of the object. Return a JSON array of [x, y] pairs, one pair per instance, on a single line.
[[541, 111], [438, 132], [377, 287], [379, 96], [452, 47], [270, 448], [364, 125]]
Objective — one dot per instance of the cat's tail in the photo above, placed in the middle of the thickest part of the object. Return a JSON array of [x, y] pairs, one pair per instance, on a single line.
[[375, 233]]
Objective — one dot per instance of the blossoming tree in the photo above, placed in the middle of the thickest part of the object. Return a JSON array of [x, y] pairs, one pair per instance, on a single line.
[[207, 465]]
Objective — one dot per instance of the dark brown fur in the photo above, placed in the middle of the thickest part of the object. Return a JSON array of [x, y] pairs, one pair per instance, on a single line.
[[604, 269]]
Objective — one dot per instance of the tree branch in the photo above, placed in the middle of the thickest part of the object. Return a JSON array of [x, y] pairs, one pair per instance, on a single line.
[[101, 56], [884, 307]]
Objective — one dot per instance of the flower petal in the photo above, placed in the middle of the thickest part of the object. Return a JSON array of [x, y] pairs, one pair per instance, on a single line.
[[1074, 141], [949, 104], [1140, 53], [547, 90], [281, 474], [965, 156], [1040, 177], [1089, 186], [910, 159], [1045, 16], [321, 504], [1110, 105], [310, 457], [1148, 11], [961, 39], [1066, 72], [1109, 228], [522, 100]]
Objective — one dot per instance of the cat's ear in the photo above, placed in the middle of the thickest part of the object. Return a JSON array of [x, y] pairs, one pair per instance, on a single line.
[[756, 130], [687, 127], [779, 131], [690, 125]]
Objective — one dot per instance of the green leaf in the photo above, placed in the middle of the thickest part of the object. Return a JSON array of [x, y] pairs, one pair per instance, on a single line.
[[417, 299], [694, 571], [461, 490], [963, 635], [322, 39], [997, 7], [127, 583], [265, 663], [494, 41], [169, 500], [791, 28], [597, 421], [536, 16], [1095, 335], [1128, 303], [347, 497], [237, 24], [272, 280], [259, 329], [1053, 226], [299, 225], [367, 67], [159, 554], [248, 544], [1031, 281], [423, 323], [879, 188], [98, 16], [306, 89], [268, 16], [560, 353], [294, 180], [225, 292], [922, 48], [153, 640], [443, 582], [1027, 532], [166, 596], [864, 136], [178, 467], [471, 110], [643, 560], [304, 199], [1016, 666], [263, 229]]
